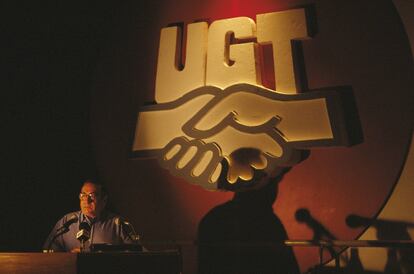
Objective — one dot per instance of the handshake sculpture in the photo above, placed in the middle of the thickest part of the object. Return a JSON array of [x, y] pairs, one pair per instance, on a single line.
[[234, 139]]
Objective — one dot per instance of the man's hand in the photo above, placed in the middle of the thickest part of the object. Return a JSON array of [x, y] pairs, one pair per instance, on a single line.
[[75, 250]]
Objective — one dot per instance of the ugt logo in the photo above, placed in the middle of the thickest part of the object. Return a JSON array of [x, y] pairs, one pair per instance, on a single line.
[[215, 124]]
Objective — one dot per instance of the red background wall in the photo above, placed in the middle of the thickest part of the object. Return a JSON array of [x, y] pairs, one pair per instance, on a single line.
[[361, 45]]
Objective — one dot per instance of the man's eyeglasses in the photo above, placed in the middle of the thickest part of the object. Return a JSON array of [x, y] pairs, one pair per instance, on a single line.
[[88, 196]]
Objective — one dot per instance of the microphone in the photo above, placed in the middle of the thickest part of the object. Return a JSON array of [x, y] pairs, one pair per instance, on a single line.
[[72, 219], [128, 229], [355, 221], [84, 232], [303, 215], [62, 230]]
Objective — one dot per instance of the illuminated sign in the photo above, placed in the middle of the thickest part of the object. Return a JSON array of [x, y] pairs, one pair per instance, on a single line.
[[215, 124]]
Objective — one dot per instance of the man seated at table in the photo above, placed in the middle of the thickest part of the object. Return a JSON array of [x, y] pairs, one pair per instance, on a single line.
[[93, 224]]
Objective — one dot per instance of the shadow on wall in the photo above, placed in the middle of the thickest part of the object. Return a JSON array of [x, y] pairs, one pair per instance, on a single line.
[[399, 260], [244, 235], [320, 232]]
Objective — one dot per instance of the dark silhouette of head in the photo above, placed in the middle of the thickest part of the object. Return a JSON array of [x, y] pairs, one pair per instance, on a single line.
[[265, 195]]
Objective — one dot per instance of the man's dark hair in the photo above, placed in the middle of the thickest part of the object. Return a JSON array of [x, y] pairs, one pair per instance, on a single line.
[[102, 187]]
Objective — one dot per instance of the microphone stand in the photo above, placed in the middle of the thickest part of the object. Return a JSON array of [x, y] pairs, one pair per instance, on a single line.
[[132, 233], [61, 230], [83, 235], [66, 229], [82, 246]]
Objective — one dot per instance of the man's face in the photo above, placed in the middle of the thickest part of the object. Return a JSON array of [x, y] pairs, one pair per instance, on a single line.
[[92, 201]]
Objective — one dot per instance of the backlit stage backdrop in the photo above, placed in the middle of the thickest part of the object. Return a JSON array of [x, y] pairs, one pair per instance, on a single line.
[[359, 45]]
